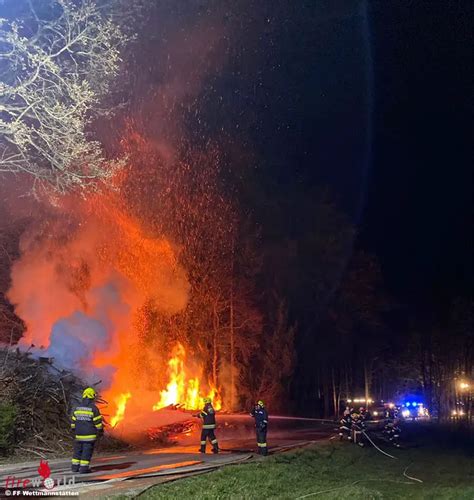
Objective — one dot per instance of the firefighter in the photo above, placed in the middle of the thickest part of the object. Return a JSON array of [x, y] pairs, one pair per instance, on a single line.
[[358, 429], [260, 414], [391, 412], [393, 431], [345, 427], [86, 422], [208, 416]]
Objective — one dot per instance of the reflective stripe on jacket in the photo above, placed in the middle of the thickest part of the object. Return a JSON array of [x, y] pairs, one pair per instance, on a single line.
[[86, 421], [208, 416]]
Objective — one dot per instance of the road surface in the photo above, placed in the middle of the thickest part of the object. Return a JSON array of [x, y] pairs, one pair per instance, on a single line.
[[131, 472]]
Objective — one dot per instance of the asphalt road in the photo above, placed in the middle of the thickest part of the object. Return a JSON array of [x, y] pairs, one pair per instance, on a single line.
[[133, 471]]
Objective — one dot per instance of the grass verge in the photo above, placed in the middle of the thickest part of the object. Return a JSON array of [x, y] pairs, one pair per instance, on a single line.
[[335, 471]]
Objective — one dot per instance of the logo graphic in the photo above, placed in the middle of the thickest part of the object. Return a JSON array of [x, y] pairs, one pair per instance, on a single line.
[[44, 471], [45, 480]]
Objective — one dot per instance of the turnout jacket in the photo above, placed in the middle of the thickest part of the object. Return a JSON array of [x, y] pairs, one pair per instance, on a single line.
[[346, 421], [86, 421], [392, 430], [261, 417], [208, 416]]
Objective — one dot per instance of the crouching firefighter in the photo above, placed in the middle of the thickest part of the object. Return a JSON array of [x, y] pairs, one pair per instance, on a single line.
[[260, 414], [208, 416], [86, 422]]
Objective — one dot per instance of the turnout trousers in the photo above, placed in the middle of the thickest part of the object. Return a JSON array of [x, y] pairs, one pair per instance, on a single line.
[[262, 441], [82, 454], [208, 434]]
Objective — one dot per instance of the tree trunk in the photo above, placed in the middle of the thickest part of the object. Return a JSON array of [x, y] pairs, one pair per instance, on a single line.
[[348, 394], [366, 383], [327, 392], [232, 334], [214, 345], [334, 395]]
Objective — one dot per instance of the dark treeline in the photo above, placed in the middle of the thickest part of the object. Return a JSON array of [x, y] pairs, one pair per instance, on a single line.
[[349, 197]]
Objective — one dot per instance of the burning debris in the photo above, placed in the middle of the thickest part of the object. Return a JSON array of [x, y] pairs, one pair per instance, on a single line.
[[82, 285], [182, 392], [169, 434]]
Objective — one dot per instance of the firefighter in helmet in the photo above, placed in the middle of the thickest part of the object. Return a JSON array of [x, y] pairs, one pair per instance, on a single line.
[[393, 431], [86, 422], [260, 414], [358, 429], [208, 416], [345, 427]]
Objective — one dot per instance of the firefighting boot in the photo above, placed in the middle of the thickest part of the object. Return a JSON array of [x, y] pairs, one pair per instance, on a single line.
[[84, 469], [74, 468], [203, 448]]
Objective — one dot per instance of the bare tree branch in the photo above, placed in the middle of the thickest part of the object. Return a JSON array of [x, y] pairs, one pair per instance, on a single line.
[[56, 63]]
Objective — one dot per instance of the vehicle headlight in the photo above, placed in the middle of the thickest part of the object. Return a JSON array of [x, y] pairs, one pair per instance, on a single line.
[[405, 413]]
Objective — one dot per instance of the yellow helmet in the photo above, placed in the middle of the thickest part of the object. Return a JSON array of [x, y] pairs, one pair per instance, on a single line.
[[89, 393], [260, 403], [207, 400]]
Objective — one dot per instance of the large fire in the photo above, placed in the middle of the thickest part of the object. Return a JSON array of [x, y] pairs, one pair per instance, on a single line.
[[95, 290], [182, 391]]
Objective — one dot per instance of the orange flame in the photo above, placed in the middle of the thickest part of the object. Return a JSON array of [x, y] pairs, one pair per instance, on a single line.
[[121, 402], [181, 390], [111, 267], [215, 397]]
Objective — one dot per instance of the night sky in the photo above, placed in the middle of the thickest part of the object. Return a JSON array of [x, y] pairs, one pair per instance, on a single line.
[[419, 211], [371, 101]]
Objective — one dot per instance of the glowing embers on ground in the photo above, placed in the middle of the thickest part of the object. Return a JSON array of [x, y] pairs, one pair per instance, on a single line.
[[181, 390]]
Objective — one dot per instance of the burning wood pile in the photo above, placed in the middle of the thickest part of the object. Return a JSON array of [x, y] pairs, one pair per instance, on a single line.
[[35, 402], [169, 434]]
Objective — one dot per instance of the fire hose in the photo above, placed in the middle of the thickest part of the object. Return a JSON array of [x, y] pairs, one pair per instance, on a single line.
[[411, 478], [377, 448], [388, 455]]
